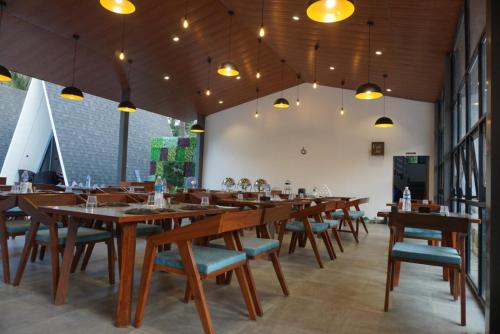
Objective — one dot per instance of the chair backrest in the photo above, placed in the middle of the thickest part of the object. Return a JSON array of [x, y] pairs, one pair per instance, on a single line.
[[451, 223], [114, 197], [277, 213], [30, 203], [215, 225], [316, 210]]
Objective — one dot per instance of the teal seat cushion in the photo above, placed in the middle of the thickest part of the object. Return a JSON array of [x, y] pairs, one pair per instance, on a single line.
[[84, 234], [22, 226], [422, 233], [420, 252], [14, 212], [208, 259], [251, 246], [145, 229], [352, 213], [298, 226], [331, 222]]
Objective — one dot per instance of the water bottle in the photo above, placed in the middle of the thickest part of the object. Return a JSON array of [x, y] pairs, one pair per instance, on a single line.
[[165, 188], [406, 200], [87, 182], [24, 182], [159, 192]]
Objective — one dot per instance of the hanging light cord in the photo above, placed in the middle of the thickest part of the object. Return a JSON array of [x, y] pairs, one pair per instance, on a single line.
[[209, 60], [129, 79], [2, 6], [316, 47], [262, 15], [298, 86], [257, 102], [76, 37], [369, 47], [186, 9], [123, 33], [385, 77], [230, 31], [258, 54], [282, 76], [342, 95]]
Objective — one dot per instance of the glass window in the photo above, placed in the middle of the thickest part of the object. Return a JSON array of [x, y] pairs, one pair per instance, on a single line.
[[474, 93], [454, 129], [473, 241], [462, 114], [474, 166], [459, 56], [484, 84]]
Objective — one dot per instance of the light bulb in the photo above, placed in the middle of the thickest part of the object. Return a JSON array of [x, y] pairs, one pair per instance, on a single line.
[[315, 85], [256, 114], [262, 31], [208, 92], [298, 102], [257, 75], [342, 111], [121, 56], [185, 23]]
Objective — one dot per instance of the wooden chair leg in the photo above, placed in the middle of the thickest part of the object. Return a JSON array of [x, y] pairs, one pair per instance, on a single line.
[[42, 252], [362, 219], [277, 268], [86, 258], [187, 293], [462, 294], [253, 290], [324, 236], [111, 260], [293, 242], [245, 290], [76, 259], [353, 231], [331, 244], [4, 248], [388, 283], [314, 246], [28, 244], [337, 238], [34, 252], [147, 273], [281, 234], [302, 237]]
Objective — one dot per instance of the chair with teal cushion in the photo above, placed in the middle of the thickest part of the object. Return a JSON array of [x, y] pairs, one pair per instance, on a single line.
[[83, 235], [305, 224], [147, 229], [357, 215], [450, 258], [198, 263], [253, 247], [422, 233]]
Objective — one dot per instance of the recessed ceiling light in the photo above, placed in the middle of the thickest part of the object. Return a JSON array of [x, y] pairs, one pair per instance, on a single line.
[[238, 77], [332, 68], [389, 90], [176, 38], [295, 17], [378, 53], [221, 102], [166, 77]]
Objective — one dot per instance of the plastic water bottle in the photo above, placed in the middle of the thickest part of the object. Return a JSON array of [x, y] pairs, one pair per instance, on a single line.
[[406, 199], [159, 192], [25, 178], [165, 188], [87, 182]]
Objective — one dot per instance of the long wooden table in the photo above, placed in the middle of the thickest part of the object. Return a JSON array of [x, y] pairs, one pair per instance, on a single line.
[[127, 225]]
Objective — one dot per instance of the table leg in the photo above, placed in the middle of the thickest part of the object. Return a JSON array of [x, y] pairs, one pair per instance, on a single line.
[[4, 249], [69, 250], [127, 259]]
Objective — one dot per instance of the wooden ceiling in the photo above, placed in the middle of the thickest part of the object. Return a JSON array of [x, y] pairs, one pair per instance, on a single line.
[[414, 35]]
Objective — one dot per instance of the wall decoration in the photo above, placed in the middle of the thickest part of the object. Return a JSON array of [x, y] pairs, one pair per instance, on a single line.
[[378, 148]]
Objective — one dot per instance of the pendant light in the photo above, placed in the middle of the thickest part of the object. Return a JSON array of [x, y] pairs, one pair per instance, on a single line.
[[369, 91], [315, 83], [126, 105], [72, 92], [297, 103], [197, 128], [227, 68], [282, 103], [262, 31], [328, 11], [342, 98], [118, 6], [384, 122], [208, 92], [5, 75], [121, 55], [258, 75], [256, 115], [185, 22]]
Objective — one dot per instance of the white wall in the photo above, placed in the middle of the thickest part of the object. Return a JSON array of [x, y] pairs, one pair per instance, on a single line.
[[239, 145], [31, 136]]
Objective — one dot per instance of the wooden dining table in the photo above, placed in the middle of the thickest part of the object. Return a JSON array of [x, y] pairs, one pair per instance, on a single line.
[[127, 225]]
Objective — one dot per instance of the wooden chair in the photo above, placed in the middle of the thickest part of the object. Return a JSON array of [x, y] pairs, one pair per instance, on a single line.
[[328, 218], [54, 238], [199, 263], [264, 247], [346, 215], [447, 257], [302, 227]]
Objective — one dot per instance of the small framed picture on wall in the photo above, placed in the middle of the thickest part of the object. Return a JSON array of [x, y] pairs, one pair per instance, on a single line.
[[378, 148]]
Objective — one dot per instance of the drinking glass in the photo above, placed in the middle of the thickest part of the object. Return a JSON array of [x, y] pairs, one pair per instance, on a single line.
[[444, 210], [425, 202], [259, 196], [291, 196], [205, 201], [301, 195], [240, 197], [16, 188], [91, 202]]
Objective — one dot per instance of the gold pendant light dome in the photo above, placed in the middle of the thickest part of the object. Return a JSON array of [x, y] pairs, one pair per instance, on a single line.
[[228, 69], [281, 103], [197, 128], [123, 7], [127, 106], [5, 75], [329, 11]]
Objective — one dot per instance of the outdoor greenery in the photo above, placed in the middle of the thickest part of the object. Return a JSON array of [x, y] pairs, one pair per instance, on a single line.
[[180, 128], [19, 81]]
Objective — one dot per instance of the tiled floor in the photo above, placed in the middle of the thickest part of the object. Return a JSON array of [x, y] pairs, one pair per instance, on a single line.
[[345, 297]]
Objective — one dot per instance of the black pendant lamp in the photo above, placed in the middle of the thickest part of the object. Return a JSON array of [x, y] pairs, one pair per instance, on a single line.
[[5, 75], [197, 128], [329, 11], [384, 121], [118, 6], [126, 105], [227, 68], [369, 90], [282, 103], [72, 92]]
